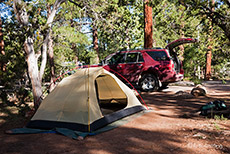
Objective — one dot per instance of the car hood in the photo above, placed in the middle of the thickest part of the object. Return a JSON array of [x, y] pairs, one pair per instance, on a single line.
[[180, 41]]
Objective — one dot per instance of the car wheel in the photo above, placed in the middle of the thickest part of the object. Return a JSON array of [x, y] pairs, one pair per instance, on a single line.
[[149, 83], [165, 85]]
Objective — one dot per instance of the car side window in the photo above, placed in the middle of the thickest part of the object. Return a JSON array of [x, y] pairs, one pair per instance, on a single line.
[[158, 55], [118, 58], [131, 57]]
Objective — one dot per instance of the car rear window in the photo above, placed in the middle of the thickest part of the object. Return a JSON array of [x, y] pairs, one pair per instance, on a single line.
[[157, 55]]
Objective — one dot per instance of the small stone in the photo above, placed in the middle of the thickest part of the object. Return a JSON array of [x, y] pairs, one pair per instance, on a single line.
[[199, 90]]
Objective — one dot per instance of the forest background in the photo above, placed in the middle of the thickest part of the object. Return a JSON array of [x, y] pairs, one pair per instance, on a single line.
[[42, 39]]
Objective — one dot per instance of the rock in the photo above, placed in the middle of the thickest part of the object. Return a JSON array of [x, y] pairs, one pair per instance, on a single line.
[[80, 138], [200, 136], [199, 90]]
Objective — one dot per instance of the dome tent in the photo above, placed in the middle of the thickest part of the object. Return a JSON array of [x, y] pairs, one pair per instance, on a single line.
[[79, 102]]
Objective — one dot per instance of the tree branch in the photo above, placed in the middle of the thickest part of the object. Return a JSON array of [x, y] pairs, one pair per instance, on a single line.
[[78, 5]]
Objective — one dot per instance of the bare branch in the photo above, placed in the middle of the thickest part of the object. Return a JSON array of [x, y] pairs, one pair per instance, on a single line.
[[78, 5], [21, 14]]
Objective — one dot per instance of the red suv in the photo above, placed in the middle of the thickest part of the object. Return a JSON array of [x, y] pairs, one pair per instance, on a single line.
[[148, 68]]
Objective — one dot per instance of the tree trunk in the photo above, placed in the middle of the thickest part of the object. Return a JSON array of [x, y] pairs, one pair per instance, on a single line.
[[32, 61], [51, 15], [148, 25], [2, 63], [33, 71], [51, 62], [209, 52], [95, 43], [44, 56], [154, 28], [181, 53], [208, 63]]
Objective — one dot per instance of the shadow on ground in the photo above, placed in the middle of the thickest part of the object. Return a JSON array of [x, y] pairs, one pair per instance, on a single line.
[[167, 129], [183, 106], [118, 141]]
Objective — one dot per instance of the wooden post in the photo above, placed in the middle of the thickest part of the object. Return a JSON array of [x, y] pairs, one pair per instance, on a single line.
[[148, 25]]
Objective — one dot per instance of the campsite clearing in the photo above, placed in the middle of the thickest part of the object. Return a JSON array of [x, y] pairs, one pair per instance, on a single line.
[[171, 127]]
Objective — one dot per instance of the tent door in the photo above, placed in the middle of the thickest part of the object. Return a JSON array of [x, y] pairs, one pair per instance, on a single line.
[[109, 95]]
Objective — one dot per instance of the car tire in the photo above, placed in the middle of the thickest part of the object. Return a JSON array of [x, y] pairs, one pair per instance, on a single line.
[[164, 86], [149, 83]]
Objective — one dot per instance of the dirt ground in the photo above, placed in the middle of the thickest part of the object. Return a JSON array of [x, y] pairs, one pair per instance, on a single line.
[[172, 126]]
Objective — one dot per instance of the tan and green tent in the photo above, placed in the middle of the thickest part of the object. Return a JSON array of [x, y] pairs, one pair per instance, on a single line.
[[85, 101]]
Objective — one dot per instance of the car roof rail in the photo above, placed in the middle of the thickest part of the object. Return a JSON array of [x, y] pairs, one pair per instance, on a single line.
[[139, 49]]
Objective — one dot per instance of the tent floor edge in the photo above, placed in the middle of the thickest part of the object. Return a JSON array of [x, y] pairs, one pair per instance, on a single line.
[[107, 119]]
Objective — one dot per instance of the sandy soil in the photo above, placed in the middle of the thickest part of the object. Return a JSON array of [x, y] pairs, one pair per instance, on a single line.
[[172, 126]]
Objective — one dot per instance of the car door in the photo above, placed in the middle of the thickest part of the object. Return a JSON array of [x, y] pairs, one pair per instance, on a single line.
[[114, 63], [133, 66], [171, 47], [180, 41], [160, 61]]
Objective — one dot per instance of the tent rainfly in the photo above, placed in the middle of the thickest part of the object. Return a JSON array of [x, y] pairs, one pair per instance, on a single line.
[[86, 101]]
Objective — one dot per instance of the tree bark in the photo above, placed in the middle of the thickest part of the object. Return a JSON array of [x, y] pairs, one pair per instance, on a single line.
[[44, 56], [148, 25], [31, 59], [51, 62], [2, 63], [33, 71], [209, 52], [208, 63]]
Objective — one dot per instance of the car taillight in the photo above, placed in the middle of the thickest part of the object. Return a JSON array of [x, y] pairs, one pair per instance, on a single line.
[[172, 65]]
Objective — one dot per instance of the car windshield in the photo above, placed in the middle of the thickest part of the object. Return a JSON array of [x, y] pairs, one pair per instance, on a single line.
[[158, 55]]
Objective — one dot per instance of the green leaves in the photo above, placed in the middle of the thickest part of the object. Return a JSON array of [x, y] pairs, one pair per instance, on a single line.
[[120, 26]]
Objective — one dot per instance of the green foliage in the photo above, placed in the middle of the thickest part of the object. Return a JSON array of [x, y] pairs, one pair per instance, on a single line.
[[121, 29], [120, 26], [220, 117], [13, 78], [14, 56], [70, 43], [173, 20]]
